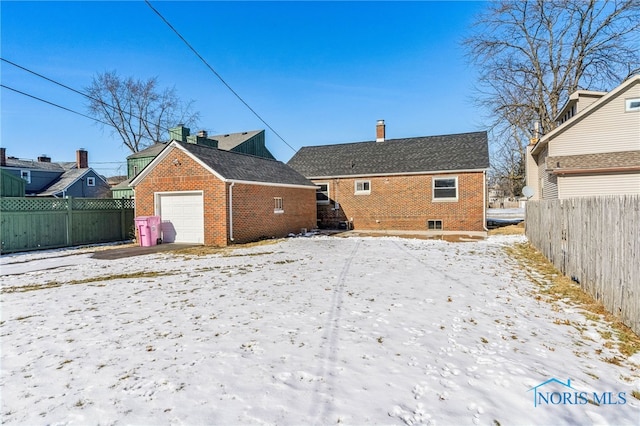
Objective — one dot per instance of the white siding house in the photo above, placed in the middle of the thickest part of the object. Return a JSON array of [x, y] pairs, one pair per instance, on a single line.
[[594, 151]]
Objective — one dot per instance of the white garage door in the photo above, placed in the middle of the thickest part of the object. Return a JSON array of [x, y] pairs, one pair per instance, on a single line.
[[182, 215]]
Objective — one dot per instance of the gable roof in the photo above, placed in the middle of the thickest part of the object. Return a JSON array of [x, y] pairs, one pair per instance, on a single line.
[[464, 151], [231, 140], [231, 166], [582, 114], [60, 166], [67, 179], [226, 141]]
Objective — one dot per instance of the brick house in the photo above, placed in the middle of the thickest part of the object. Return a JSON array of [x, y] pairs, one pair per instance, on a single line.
[[216, 197], [431, 183], [595, 148]]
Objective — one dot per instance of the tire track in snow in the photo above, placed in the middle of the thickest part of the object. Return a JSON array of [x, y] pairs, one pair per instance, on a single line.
[[329, 355]]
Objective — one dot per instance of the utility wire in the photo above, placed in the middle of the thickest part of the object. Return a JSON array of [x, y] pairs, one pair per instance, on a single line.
[[100, 101], [54, 104], [216, 74]]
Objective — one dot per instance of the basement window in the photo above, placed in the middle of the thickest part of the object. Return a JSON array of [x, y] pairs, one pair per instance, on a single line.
[[363, 187], [434, 225], [277, 207], [445, 189], [632, 104]]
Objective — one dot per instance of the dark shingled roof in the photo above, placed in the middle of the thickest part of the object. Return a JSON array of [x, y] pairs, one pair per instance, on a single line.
[[464, 151], [245, 167]]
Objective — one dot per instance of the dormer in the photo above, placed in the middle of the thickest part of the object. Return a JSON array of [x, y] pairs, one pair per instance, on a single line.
[[578, 101]]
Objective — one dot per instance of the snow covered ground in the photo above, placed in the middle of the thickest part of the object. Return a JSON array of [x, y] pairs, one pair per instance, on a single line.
[[320, 330]]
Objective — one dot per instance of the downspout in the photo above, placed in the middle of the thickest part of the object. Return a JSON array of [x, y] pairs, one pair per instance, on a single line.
[[231, 211], [484, 201]]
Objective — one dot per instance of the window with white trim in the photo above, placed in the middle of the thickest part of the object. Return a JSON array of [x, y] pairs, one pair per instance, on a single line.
[[277, 205], [26, 175], [91, 181], [445, 189], [632, 104], [322, 193], [434, 225], [362, 187]]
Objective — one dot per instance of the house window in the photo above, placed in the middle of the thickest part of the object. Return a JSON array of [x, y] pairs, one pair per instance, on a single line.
[[322, 193], [91, 181], [363, 187], [632, 104], [26, 175], [445, 189], [434, 225], [277, 208]]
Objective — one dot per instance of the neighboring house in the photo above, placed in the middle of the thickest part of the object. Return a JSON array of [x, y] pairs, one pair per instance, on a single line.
[[252, 142], [215, 197], [595, 150], [429, 183], [44, 178]]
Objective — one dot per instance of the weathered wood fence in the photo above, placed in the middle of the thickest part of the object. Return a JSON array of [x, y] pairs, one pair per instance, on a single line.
[[30, 223], [596, 241]]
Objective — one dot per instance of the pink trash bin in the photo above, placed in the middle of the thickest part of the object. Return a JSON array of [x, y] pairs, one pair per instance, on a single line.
[[148, 230]]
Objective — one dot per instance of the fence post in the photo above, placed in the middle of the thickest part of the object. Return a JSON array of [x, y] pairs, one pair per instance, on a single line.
[[69, 220], [123, 219]]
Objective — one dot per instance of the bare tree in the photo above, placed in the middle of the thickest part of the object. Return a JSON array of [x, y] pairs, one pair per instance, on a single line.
[[138, 111], [533, 54]]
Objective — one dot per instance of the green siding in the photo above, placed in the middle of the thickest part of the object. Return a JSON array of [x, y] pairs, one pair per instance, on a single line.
[[10, 185], [122, 193], [254, 146], [135, 165]]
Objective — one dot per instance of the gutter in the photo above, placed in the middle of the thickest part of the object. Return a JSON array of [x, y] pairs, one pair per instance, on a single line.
[[484, 201], [629, 169], [231, 211]]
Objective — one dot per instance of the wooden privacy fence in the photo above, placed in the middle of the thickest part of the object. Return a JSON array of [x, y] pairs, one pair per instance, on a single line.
[[596, 241], [30, 223]]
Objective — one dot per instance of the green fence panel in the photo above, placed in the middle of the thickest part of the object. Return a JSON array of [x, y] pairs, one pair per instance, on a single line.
[[32, 230], [38, 223]]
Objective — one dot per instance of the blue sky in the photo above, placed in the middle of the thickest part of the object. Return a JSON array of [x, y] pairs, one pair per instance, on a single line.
[[316, 72]]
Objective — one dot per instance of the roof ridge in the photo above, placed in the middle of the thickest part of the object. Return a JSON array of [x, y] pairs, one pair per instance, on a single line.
[[395, 139], [228, 151]]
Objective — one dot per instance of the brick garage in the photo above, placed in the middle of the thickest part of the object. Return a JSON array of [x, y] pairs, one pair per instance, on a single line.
[[431, 183], [252, 184]]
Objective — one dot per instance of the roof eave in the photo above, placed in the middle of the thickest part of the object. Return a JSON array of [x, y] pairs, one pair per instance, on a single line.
[[431, 172], [544, 140]]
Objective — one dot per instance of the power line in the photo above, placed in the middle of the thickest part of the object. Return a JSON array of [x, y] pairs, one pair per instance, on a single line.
[[54, 104], [100, 101], [217, 75]]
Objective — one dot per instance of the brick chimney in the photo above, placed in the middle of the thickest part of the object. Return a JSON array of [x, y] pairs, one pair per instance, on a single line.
[[44, 159], [82, 159], [3, 156], [380, 133]]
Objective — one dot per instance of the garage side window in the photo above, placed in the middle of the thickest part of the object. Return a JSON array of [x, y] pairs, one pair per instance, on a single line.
[[278, 206]]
